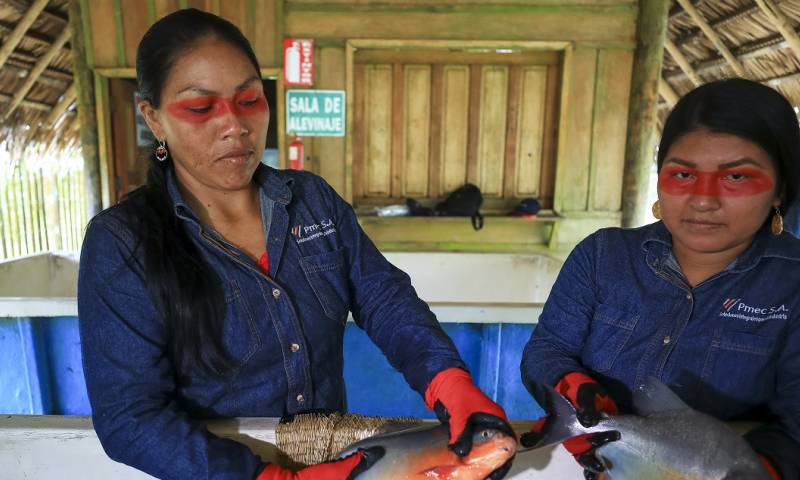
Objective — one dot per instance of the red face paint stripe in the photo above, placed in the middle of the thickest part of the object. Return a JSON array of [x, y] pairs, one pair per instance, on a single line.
[[202, 109], [734, 182]]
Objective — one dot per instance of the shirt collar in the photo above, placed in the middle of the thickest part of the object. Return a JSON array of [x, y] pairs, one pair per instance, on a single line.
[[657, 245], [273, 183]]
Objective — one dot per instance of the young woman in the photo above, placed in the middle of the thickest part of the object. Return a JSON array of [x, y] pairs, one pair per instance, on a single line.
[[222, 287], [706, 300]]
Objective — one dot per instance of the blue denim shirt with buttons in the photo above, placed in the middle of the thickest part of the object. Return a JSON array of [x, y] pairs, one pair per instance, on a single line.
[[285, 329], [621, 310]]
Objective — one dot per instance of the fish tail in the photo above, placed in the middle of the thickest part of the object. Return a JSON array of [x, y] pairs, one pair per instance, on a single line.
[[560, 423]]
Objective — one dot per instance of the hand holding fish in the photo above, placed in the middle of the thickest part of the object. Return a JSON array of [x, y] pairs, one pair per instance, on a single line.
[[590, 400], [465, 410], [344, 469]]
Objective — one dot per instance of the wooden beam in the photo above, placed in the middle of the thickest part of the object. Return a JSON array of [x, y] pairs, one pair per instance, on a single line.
[[747, 51], [682, 62], [782, 24], [712, 35], [37, 71], [667, 93], [50, 77], [651, 31], [4, 97], [67, 98], [31, 36], [48, 13], [742, 12], [19, 31], [87, 118]]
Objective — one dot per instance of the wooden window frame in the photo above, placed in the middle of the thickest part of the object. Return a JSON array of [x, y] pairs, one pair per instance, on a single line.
[[562, 47]]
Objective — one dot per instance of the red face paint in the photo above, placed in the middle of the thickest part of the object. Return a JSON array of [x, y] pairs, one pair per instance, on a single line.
[[201, 109], [732, 182]]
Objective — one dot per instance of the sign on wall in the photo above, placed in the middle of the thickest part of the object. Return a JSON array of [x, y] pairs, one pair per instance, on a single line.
[[298, 62], [315, 113]]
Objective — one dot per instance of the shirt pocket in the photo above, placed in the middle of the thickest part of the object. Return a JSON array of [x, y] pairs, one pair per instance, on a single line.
[[240, 332], [740, 364], [326, 274], [609, 332]]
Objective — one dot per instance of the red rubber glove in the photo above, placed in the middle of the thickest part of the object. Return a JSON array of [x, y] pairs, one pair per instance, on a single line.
[[773, 472], [590, 399], [344, 469], [464, 408]]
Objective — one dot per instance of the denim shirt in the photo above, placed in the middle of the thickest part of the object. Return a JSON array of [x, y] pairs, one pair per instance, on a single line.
[[284, 329], [621, 310]]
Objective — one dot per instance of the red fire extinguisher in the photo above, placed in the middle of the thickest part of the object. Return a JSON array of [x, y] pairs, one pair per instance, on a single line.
[[296, 153]]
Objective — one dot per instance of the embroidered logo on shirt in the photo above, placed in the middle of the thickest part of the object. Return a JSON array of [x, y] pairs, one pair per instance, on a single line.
[[304, 233], [735, 308]]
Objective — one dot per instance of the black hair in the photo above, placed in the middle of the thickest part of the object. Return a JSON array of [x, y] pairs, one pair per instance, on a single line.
[[185, 289], [748, 110]]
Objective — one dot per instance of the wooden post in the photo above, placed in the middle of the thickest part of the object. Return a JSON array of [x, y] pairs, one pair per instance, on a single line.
[[84, 88], [651, 29]]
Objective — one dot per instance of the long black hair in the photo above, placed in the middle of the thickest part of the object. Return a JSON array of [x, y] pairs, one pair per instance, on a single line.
[[186, 291], [748, 110]]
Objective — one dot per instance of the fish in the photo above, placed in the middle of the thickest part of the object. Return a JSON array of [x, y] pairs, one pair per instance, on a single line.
[[665, 440], [421, 453]]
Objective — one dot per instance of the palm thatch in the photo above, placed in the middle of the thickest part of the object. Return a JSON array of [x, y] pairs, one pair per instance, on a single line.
[[749, 29], [46, 113]]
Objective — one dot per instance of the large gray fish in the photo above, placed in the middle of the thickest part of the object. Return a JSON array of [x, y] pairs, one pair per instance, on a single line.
[[422, 453], [667, 440]]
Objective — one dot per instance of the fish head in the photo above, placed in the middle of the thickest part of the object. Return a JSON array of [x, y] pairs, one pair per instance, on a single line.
[[491, 449]]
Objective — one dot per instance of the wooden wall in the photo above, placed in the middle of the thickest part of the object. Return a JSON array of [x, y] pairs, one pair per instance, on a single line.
[[593, 42]]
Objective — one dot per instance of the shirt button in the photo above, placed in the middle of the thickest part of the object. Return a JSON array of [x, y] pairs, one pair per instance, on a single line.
[[276, 293], [688, 296], [667, 339], [295, 347], [301, 398]]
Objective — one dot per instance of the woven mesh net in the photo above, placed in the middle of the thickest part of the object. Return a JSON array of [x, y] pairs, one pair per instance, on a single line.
[[313, 438]]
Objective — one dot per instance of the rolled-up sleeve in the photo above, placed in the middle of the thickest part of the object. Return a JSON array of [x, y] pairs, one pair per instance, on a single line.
[[387, 307], [129, 373], [555, 346]]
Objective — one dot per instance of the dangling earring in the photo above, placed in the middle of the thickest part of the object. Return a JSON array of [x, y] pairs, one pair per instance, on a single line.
[[777, 222], [656, 210], [161, 151]]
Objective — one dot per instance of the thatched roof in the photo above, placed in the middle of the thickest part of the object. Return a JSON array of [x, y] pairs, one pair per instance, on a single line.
[[47, 111], [752, 37], [747, 31]]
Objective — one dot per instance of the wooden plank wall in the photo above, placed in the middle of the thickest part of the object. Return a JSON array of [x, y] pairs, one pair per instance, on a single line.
[[590, 107]]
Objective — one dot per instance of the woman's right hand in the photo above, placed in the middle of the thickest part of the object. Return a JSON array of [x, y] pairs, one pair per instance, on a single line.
[[590, 399], [345, 469]]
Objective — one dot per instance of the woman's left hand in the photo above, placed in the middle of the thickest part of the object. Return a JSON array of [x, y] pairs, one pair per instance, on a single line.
[[465, 409]]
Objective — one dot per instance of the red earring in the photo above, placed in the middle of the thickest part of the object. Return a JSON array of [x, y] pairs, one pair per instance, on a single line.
[[161, 151]]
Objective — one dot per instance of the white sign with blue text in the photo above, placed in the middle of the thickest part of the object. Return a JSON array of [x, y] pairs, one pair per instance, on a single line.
[[315, 113]]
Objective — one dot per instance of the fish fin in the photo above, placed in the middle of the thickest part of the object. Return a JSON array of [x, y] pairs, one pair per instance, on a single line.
[[652, 396], [560, 423]]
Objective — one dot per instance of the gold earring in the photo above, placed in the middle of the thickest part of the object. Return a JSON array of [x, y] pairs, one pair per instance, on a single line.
[[777, 222], [657, 210]]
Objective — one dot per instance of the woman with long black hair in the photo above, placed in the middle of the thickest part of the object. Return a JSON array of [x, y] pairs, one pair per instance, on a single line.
[[221, 288]]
